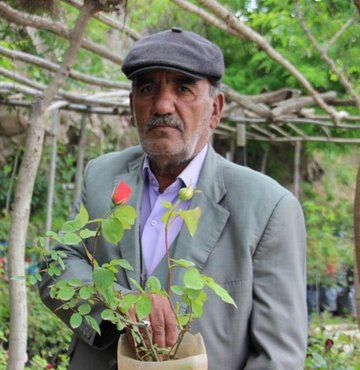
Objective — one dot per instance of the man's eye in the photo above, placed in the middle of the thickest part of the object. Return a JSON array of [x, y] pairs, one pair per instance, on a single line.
[[147, 89], [184, 89]]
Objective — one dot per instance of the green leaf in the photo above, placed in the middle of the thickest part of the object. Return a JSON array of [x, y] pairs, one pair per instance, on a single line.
[[54, 256], [191, 218], [86, 292], [38, 276], [71, 239], [75, 283], [182, 263], [107, 315], [166, 204], [112, 230], [221, 292], [93, 323], [104, 283], [75, 320], [193, 293], [84, 309], [165, 217], [122, 263], [153, 284], [127, 301], [53, 269], [32, 280], [42, 241], [53, 291], [65, 293], [177, 289], [138, 286], [87, 233], [193, 279], [78, 222], [53, 235], [143, 307], [184, 319], [197, 309], [126, 215]]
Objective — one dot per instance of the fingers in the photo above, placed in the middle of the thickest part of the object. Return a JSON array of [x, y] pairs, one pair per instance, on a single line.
[[163, 322]]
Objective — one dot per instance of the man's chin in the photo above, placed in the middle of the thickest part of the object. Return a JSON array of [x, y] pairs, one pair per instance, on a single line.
[[166, 154]]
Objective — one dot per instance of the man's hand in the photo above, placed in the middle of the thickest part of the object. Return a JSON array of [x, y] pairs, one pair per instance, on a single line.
[[162, 321]]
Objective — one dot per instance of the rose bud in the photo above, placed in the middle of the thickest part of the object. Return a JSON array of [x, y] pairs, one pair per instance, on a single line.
[[186, 193], [329, 343], [121, 194]]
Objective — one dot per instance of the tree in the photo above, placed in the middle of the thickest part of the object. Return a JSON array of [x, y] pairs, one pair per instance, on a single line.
[[25, 185]]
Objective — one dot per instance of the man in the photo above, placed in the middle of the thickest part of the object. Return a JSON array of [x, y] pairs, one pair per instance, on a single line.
[[250, 238]]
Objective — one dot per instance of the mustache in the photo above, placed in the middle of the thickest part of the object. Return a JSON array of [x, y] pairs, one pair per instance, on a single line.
[[161, 121]]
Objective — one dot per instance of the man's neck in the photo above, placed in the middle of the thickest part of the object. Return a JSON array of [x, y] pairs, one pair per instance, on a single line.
[[166, 173]]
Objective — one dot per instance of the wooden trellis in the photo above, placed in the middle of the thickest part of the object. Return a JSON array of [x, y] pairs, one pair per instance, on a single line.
[[274, 117]]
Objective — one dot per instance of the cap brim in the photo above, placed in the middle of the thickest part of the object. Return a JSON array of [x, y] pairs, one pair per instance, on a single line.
[[143, 70]]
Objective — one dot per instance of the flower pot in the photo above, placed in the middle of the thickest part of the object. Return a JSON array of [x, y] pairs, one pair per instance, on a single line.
[[191, 355]]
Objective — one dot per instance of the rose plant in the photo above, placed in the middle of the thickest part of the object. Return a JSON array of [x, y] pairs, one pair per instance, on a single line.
[[119, 308]]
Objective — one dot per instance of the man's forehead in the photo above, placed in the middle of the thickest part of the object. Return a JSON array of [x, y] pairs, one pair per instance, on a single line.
[[167, 75]]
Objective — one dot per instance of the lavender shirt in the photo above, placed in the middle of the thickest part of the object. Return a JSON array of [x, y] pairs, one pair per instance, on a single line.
[[152, 228]]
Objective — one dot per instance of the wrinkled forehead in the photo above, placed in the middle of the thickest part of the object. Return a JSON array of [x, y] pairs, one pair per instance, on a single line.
[[168, 76]]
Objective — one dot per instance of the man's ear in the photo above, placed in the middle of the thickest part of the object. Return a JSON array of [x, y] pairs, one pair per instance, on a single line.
[[218, 105]]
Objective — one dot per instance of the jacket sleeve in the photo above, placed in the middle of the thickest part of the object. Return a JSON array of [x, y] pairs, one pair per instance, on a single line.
[[278, 326]]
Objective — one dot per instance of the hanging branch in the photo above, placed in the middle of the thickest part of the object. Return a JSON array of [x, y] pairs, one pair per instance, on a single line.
[[53, 67], [325, 57], [12, 15], [24, 191], [204, 15], [341, 30], [71, 97], [242, 30]]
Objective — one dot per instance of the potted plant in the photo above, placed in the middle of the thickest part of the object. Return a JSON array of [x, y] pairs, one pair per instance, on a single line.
[[186, 300]]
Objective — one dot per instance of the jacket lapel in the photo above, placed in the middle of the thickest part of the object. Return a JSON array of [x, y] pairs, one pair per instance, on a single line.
[[130, 244], [212, 221]]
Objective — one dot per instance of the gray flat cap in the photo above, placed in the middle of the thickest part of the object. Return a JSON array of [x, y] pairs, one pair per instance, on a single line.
[[177, 50]]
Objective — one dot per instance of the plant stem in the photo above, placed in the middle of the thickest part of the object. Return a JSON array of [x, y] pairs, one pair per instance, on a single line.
[[172, 215]]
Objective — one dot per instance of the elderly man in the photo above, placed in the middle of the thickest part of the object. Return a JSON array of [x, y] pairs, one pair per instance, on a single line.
[[251, 236]]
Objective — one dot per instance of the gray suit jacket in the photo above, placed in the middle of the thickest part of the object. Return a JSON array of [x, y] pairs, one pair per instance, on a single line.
[[250, 239]]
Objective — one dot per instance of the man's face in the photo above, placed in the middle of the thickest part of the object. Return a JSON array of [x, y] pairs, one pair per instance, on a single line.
[[174, 114]]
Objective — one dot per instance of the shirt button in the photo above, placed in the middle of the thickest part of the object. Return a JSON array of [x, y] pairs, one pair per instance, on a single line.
[[153, 223]]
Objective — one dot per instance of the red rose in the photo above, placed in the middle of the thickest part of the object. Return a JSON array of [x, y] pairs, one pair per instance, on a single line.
[[50, 366], [121, 194]]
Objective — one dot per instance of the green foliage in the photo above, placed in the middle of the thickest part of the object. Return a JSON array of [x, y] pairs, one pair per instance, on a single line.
[[43, 345], [334, 349], [329, 216], [79, 297]]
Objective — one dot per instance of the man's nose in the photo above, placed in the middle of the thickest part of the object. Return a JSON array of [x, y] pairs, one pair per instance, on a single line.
[[164, 102]]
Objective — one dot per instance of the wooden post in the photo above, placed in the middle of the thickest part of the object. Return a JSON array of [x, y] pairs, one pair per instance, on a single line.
[[80, 160], [357, 244], [55, 119], [240, 156], [264, 159], [297, 169]]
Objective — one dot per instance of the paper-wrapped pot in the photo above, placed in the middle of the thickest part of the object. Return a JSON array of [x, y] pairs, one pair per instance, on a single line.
[[191, 356]]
